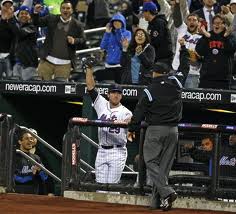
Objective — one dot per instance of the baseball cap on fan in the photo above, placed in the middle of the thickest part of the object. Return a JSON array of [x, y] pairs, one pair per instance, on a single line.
[[25, 8], [5, 1], [150, 6], [232, 2], [115, 88]]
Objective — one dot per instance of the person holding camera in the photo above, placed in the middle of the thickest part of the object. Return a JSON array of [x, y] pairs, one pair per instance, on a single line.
[[112, 45]]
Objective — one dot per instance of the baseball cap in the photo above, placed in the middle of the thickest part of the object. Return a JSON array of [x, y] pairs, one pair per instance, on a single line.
[[150, 6], [5, 1], [233, 2], [115, 88], [160, 67], [25, 8]]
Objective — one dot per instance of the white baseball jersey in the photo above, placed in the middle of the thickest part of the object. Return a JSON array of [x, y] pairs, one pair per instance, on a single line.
[[108, 135], [191, 41]]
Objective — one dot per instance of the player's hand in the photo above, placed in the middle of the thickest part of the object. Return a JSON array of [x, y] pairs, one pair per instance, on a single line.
[[131, 136], [127, 120], [120, 122]]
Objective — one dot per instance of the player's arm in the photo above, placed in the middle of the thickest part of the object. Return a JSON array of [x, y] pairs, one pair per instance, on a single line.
[[90, 82]]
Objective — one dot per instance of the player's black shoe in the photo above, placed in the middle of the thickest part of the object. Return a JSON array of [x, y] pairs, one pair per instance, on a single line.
[[166, 203]]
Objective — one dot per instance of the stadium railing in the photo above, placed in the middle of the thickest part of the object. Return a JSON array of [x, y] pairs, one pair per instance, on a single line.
[[186, 184]]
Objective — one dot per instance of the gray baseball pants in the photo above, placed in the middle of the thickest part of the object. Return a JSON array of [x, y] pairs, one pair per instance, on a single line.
[[159, 152]]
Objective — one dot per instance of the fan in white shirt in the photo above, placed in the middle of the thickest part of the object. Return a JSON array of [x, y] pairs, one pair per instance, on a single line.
[[189, 32]]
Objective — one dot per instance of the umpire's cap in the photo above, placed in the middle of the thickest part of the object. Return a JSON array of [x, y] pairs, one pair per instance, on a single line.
[[160, 67], [115, 88]]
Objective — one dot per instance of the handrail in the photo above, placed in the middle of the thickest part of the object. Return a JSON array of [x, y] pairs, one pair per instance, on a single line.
[[88, 50], [86, 32], [51, 147], [86, 164], [124, 173], [37, 164], [42, 141]]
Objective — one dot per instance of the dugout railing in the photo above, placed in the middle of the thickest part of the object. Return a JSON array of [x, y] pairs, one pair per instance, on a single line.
[[6, 148], [209, 186], [9, 149]]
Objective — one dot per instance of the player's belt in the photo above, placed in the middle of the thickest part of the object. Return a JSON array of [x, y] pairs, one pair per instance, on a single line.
[[111, 147]]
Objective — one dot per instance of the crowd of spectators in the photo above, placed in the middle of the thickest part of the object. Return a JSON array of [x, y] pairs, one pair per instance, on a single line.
[[139, 33]]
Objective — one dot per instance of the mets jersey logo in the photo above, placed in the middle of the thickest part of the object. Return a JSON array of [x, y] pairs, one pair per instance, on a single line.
[[104, 117]]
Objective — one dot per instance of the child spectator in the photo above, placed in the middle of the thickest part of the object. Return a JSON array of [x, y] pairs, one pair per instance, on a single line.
[[112, 44]]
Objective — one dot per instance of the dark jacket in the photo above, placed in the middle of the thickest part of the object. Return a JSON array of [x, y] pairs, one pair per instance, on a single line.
[[200, 11], [161, 102], [50, 21], [128, 14], [160, 38], [227, 160], [200, 155], [147, 58], [24, 179], [26, 50], [7, 39], [217, 56]]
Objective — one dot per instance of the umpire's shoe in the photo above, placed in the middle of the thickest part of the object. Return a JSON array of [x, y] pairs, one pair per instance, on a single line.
[[166, 203]]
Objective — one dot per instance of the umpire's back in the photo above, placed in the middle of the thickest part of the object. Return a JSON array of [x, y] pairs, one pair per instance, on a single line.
[[164, 95]]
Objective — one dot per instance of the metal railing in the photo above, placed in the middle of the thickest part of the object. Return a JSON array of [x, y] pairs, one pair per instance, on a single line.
[[86, 32], [210, 186], [39, 165], [58, 153]]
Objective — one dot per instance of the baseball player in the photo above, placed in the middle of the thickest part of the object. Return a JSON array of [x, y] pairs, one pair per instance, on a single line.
[[112, 151]]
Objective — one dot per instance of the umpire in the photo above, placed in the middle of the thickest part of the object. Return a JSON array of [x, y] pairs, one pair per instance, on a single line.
[[161, 106]]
